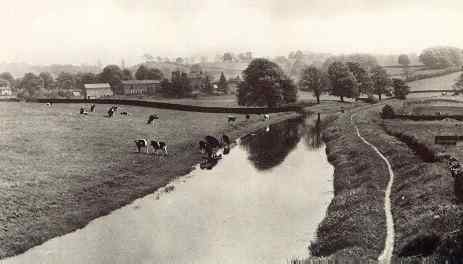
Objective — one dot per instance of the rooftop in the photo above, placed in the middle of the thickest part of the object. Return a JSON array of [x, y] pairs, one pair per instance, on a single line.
[[97, 86], [141, 82]]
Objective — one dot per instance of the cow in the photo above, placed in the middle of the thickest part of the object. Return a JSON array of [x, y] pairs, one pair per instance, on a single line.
[[202, 146], [92, 108], [248, 116], [49, 104], [125, 113], [151, 118], [83, 111], [142, 143], [159, 145], [225, 140], [212, 141], [110, 112], [266, 117], [231, 119]]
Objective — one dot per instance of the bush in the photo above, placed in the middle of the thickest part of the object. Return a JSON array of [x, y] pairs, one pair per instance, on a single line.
[[387, 112]]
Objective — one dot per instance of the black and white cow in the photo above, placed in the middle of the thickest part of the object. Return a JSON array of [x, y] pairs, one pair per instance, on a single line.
[[82, 111], [202, 146], [142, 143], [92, 108], [110, 112], [266, 117], [248, 116], [231, 119], [212, 141], [125, 113], [151, 118], [159, 145]]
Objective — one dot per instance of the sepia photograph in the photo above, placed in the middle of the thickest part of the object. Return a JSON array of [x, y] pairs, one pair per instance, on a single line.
[[226, 132]]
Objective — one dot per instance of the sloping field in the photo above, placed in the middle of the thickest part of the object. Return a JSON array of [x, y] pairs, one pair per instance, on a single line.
[[438, 83]]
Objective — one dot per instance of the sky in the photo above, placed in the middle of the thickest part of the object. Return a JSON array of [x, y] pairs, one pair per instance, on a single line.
[[86, 31]]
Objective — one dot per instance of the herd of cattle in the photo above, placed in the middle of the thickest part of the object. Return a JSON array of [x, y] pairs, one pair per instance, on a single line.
[[210, 145]]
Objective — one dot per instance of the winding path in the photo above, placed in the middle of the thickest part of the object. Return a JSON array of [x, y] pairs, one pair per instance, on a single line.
[[386, 255]]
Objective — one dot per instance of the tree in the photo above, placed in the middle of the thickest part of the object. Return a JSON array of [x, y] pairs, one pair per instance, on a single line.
[[166, 88], [47, 79], [181, 86], [7, 76], [227, 57], [65, 81], [363, 78], [342, 81], [141, 72], [387, 112], [126, 75], [154, 74], [400, 88], [112, 74], [404, 60], [381, 81], [265, 84], [312, 79], [30, 84], [441, 57], [179, 60], [208, 88], [222, 84], [458, 85]]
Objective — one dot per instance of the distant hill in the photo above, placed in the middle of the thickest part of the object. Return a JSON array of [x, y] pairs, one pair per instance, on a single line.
[[19, 69]]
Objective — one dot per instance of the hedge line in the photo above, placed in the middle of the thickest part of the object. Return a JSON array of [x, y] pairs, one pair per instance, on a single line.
[[428, 117], [180, 107], [421, 76]]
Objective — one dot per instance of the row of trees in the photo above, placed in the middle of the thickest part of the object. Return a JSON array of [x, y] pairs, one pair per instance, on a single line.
[[350, 80], [442, 57]]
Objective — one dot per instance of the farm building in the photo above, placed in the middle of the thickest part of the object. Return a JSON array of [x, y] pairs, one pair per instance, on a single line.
[[5, 88], [96, 90], [140, 87]]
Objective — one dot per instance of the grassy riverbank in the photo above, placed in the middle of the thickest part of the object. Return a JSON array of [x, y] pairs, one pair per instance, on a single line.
[[426, 215]]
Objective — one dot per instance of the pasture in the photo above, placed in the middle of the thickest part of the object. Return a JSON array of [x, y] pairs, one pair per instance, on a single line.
[[60, 169]]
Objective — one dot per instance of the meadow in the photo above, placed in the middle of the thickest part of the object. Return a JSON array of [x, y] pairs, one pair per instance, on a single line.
[[60, 169]]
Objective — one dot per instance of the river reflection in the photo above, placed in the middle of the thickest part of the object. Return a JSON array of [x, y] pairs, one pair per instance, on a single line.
[[270, 148]]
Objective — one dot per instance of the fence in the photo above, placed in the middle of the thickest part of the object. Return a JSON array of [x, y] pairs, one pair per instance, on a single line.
[[180, 107]]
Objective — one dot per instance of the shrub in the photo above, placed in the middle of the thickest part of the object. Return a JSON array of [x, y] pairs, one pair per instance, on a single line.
[[387, 112]]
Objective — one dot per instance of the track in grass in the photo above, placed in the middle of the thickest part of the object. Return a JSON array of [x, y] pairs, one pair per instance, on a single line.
[[386, 255]]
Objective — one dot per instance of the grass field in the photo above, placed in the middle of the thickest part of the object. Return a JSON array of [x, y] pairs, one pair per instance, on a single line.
[[439, 83], [60, 169]]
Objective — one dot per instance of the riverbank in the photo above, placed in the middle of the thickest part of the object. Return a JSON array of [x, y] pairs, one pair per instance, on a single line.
[[424, 209]]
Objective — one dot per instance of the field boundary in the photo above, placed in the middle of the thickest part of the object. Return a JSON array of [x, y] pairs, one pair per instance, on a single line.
[[180, 107], [427, 117]]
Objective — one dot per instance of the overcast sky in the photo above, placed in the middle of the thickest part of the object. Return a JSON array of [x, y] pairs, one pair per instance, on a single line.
[[85, 31]]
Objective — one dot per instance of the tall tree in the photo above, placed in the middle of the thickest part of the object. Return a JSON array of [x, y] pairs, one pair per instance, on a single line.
[[8, 77], [126, 75], [181, 86], [112, 74], [363, 78], [207, 88], [342, 81], [166, 88], [265, 84], [141, 72], [400, 88], [222, 84], [381, 81], [65, 81], [404, 60], [30, 84], [312, 79], [47, 79]]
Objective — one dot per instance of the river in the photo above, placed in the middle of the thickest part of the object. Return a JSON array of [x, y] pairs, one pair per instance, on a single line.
[[261, 203]]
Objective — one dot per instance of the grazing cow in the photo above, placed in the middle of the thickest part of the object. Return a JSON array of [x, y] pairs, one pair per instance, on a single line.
[[83, 111], [231, 119], [49, 104], [124, 113], [142, 143], [114, 108], [266, 117], [151, 118], [444, 93], [212, 141], [202, 146], [92, 108], [110, 112], [225, 140], [159, 145], [248, 116]]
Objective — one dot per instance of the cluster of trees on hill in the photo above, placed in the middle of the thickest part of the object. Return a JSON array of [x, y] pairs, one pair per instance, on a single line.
[[442, 57]]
